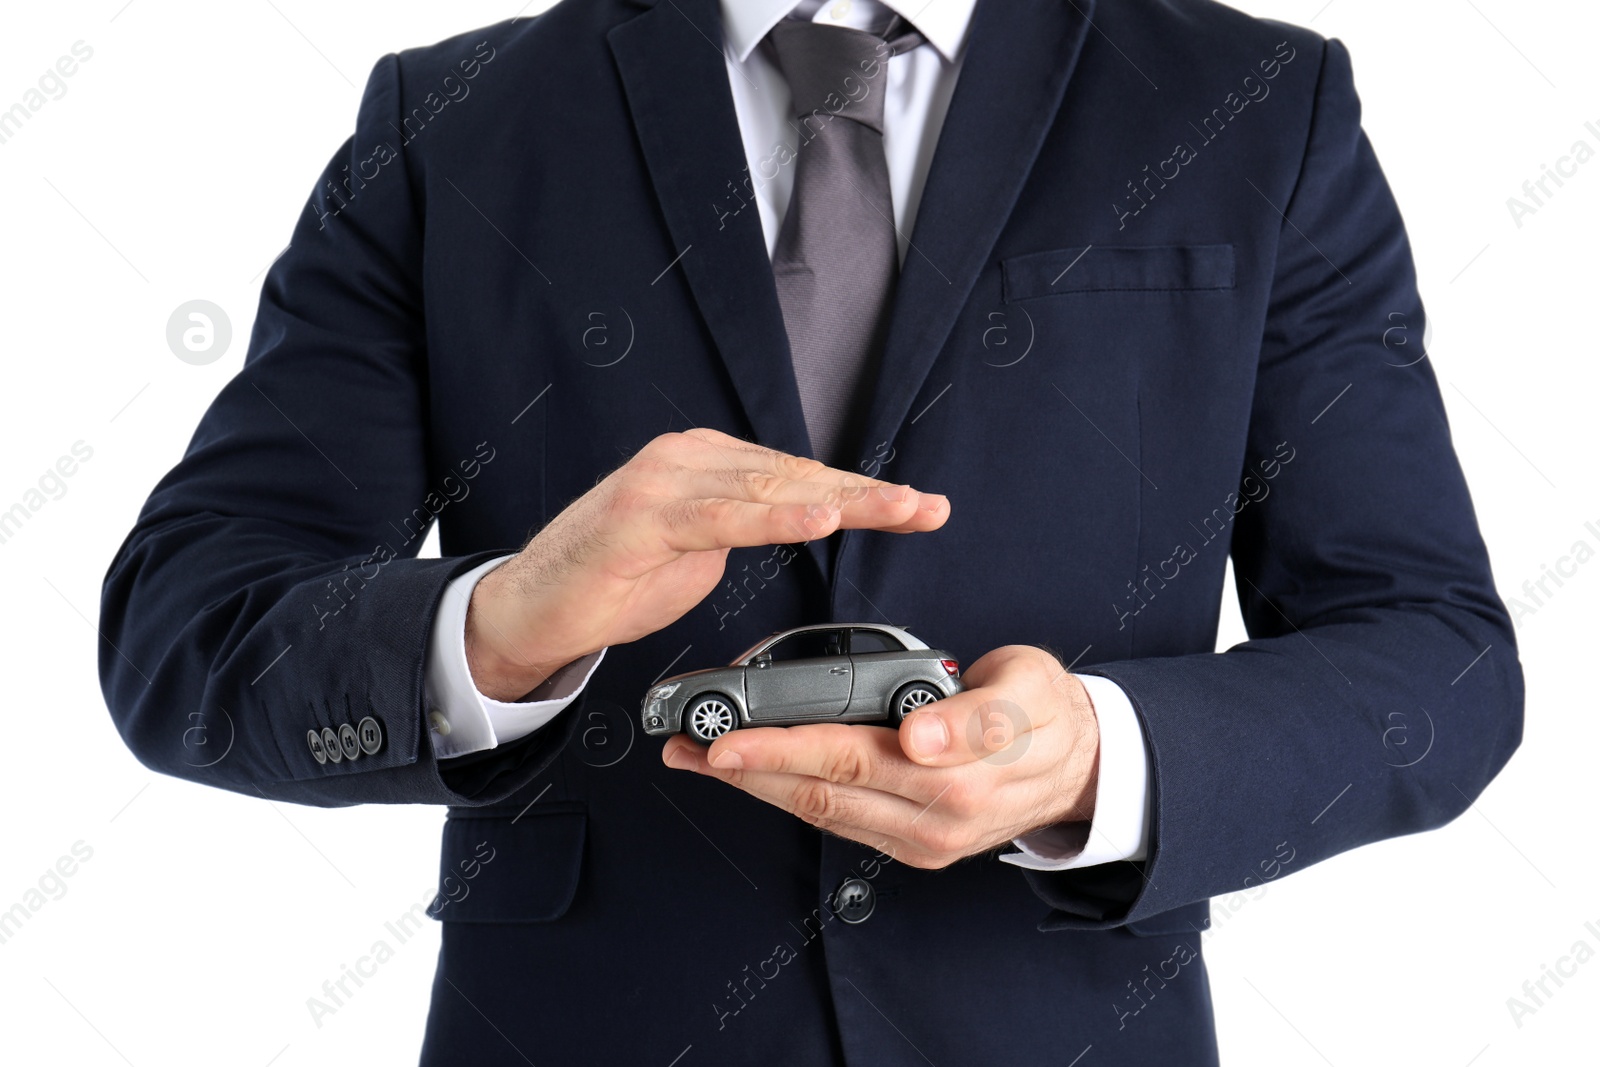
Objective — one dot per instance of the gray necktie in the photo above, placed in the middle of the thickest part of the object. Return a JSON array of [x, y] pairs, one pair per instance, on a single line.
[[837, 260]]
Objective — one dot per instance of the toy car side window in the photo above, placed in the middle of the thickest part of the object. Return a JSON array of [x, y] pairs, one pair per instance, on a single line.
[[809, 644], [873, 641]]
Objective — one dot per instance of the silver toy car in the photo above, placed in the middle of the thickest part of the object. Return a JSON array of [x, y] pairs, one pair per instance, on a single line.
[[832, 672]]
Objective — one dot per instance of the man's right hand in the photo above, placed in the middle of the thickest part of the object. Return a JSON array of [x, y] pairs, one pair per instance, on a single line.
[[650, 541]]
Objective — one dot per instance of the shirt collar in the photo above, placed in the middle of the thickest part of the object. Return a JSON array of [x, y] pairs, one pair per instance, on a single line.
[[943, 22]]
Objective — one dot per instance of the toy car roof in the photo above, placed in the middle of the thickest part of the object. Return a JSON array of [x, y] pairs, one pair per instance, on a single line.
[[906, 637]]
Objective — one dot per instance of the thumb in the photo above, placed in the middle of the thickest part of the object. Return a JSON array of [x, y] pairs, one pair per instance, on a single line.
[[986, 721]]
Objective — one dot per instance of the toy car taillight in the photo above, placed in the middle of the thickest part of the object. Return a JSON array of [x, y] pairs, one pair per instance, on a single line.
[[951, 667]]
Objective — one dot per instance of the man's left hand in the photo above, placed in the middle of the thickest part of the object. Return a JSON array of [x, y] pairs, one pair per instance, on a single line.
[[1014, 752]]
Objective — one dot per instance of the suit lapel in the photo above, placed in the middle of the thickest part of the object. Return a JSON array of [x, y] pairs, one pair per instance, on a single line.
[[1020, 55], [676, 80]]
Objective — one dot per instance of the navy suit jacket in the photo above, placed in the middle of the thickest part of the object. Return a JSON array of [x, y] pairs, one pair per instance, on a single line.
[[1140, 330]]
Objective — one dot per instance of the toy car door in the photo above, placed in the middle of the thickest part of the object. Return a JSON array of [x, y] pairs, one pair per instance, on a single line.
[[805, 675], [876, 670]]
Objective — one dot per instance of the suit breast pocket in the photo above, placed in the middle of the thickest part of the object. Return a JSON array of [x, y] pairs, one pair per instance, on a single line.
[[504, 869], [1111, 269]]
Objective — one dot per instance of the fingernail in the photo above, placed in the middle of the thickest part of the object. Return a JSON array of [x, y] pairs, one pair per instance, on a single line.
[[933, 502], [928, 735], [679, 760], [727, 760], [894, 493]]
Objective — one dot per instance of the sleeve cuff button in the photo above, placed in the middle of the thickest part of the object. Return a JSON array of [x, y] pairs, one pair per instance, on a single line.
[[370, 734]]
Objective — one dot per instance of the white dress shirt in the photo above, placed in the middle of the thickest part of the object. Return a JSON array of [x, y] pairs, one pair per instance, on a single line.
[[918, 90]]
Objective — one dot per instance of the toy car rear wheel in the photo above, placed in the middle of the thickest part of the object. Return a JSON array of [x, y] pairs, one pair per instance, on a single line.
[[708, 717], [912, 697]]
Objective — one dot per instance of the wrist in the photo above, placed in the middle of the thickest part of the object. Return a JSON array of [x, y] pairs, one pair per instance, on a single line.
[[1080, 770], [506, 659]]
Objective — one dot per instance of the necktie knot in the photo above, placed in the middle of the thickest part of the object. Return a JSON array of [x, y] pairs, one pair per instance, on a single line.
[[836, 71]]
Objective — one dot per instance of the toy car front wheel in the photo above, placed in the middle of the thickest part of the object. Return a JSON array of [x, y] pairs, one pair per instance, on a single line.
[[912, 697], [708, 717]]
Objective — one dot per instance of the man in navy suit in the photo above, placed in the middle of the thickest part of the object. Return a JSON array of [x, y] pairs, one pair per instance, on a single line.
[[1014, 338]]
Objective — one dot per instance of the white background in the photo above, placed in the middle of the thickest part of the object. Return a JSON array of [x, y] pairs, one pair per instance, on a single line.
[[173, 168]]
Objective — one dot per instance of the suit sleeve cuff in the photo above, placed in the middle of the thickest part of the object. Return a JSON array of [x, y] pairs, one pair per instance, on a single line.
[[462, 720], [1120, 829]]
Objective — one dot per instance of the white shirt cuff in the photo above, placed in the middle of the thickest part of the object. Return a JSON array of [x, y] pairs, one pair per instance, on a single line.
[[460, 718], [1120, 829]]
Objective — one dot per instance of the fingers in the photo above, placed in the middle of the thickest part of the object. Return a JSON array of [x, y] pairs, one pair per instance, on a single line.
[[708, 523], [952, 823], [816, 800], [715, 463], [863, 504], [981, 725], [1012, 692], [711, 449], [864, 756], [717, 449]]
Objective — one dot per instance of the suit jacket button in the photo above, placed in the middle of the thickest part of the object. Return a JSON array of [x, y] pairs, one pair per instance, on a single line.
[[855, 900], [314, 743], [348, 744], [370, 734], [330, 744]]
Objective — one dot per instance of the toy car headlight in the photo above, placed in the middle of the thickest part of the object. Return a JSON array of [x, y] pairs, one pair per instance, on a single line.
[[662, 692]]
